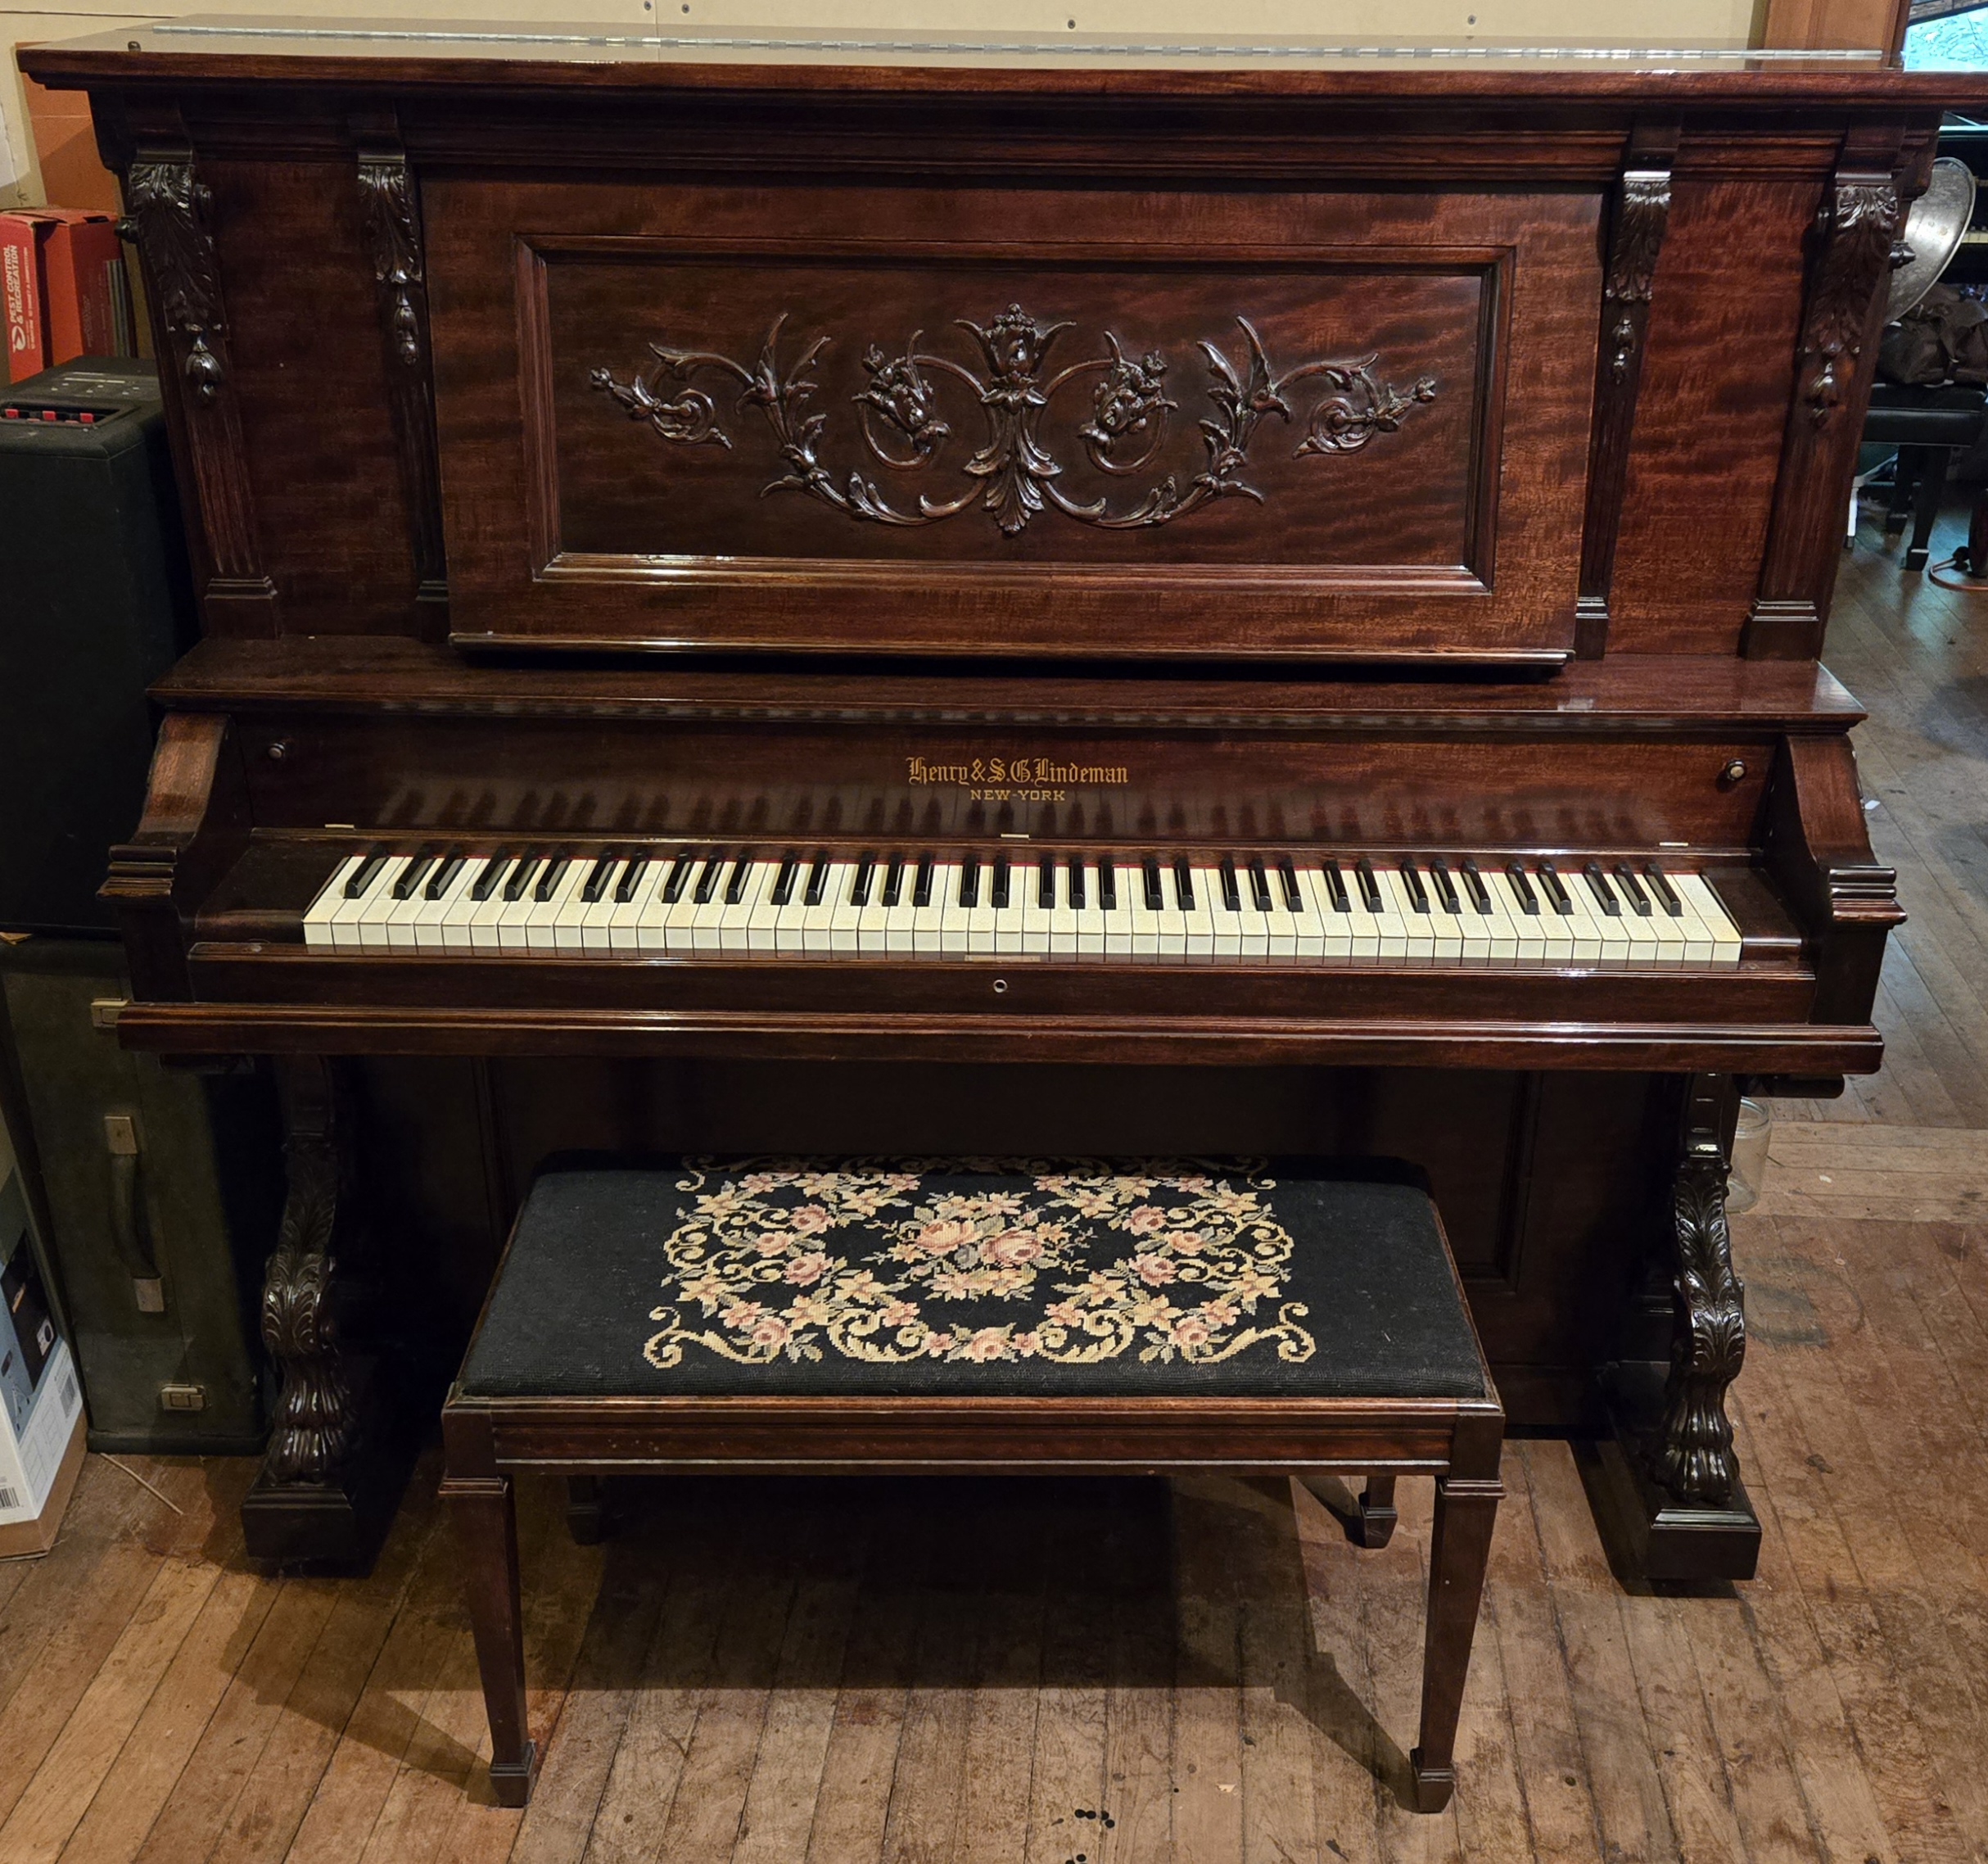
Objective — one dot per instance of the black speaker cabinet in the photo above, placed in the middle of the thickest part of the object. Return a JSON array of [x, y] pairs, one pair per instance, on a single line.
[[94, 605]]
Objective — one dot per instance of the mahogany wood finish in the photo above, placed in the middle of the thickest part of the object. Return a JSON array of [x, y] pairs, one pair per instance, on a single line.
[[1458, 1440], [1538, 360]]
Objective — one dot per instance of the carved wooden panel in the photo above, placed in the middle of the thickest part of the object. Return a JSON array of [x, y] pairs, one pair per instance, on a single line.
[[972, 421]]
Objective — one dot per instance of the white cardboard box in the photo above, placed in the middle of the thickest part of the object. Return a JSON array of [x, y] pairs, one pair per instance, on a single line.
[[41, 1404]]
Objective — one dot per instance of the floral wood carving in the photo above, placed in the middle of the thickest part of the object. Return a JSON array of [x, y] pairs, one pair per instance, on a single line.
[[1860, 227], [1015, 471], [1642, 216], [166, 217], [313, 1431], [386, 195], [1694, 1449]]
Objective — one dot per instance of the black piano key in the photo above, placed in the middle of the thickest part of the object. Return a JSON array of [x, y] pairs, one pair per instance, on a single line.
[[410, 877], [1335, 886], [1418, 898], [1660, 882], [1231, 894], [1604, 894], [1626, 879], [997, 892], [680, 875], [921, 887], [735, 888], [817, 881], [1523, 888], [1294, 898], [707, 879], [631, 879], [1076, 883], [368, 872], [1259, 886], [1549, 878], [859, 887], [893, 881], [1183, 885], [1107, 885], [1045, 883], [1473, 885], [1155, 894], [520, 877], [485, 883], [783, 881], [969, 880], [1370, 888], [598, 877], [549, 881], [1446, 889], [443, 878]]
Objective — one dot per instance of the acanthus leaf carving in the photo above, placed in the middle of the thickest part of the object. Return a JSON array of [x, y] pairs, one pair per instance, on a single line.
[[1694, 1454], [1015, 471], [393, 228], [1859, 227], [165, 216], [312, 1434], [1642, 213]]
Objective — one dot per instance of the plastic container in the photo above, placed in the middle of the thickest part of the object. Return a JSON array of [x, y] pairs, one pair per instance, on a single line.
[[1749, 1170]]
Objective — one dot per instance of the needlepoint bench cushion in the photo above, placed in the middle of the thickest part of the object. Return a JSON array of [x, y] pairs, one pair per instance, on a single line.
[[871, 1278]]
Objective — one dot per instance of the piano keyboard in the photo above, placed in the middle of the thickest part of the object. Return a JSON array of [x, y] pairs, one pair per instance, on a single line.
[[1227, 909]]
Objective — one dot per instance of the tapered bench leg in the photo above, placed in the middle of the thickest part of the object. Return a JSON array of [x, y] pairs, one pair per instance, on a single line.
[[1458, 1549], [1374, 1525], [486, 1529]]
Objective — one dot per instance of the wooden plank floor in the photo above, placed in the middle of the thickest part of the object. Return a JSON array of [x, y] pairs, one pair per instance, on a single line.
[[1119, 1673], [1129, 1673]]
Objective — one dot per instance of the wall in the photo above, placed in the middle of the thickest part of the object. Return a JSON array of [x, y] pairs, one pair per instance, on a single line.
[[63, 167]]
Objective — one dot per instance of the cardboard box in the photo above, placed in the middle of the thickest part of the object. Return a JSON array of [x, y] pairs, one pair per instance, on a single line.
[[21, 323], [82, 274], [41, 1403], [62, 288]]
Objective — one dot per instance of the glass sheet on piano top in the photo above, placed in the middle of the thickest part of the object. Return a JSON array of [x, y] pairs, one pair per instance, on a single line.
[[1693, 34]]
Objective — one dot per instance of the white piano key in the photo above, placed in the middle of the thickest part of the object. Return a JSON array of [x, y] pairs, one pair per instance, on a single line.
[[735, 915], [901, 919], [596, 917], [762, 924], [435, 923], [1008, 916], [377, 910], [1116, 914], [638, 878], [1197, 921], [945, 926], [1696, 894], [319, 915], [542, 923], [1038, 919]]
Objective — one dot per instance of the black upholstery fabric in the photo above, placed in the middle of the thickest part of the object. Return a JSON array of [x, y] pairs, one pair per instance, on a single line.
[[974, 1279]]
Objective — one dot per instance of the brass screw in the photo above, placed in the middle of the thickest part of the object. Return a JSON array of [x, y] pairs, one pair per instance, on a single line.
[[1734, 772]]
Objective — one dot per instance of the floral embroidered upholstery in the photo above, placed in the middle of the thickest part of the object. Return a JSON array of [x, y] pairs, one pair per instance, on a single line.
[[974, 1277]]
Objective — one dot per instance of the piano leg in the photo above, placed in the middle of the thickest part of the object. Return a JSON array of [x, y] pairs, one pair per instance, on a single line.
[[1671, 1505], [329, 1484]]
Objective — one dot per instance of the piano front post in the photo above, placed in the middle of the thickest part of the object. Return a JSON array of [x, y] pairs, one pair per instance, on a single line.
[[333, 1470], [1669, 1500]]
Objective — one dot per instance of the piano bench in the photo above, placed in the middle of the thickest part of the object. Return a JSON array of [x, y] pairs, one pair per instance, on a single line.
[[930, 1317]]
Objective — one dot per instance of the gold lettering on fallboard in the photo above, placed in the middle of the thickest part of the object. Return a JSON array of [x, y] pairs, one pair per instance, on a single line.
[[1032, 774]]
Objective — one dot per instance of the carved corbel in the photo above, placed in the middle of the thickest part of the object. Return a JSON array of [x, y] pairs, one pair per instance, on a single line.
[[1856, 232], [315, 1429], [1636, 238], [1692, 1456], [166, 217], [390, 201]]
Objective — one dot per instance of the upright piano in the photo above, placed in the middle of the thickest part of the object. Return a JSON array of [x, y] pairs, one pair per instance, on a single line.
[[952, 593]]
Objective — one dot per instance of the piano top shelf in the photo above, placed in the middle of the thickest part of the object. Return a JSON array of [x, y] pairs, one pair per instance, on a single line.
[[1644, 693]]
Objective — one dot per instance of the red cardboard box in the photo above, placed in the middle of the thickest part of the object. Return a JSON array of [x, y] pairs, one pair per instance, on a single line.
[[25, 329], [62, 288], [83, 266]]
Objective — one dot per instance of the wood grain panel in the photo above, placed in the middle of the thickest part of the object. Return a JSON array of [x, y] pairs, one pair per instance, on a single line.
[[1418, 497], [1718, 376], [312, 387]]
